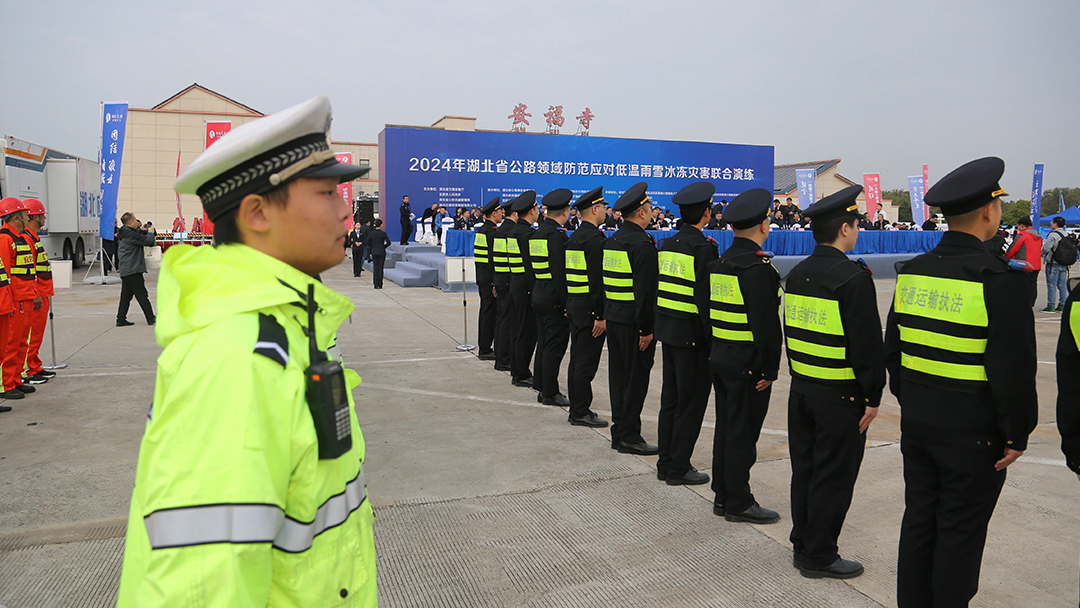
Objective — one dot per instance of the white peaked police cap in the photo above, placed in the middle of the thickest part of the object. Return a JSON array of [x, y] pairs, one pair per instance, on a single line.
[[263, 154]]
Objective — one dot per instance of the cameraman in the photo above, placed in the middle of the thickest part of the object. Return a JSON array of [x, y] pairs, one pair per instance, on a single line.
[[130, 240]]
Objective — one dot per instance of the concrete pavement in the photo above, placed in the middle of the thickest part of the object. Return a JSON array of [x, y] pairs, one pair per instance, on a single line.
[[484, 497]]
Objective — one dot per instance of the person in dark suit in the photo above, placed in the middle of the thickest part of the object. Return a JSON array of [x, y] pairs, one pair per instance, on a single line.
[[378, 241], [406, 219], [355, 240]]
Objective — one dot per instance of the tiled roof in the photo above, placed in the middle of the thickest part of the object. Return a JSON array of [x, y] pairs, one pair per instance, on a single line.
[[784, 179]]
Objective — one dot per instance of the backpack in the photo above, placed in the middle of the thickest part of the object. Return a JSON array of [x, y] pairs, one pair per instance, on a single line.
[[1065, 252]]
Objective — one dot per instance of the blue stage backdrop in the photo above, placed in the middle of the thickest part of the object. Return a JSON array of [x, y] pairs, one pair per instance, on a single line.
[[467, 168]]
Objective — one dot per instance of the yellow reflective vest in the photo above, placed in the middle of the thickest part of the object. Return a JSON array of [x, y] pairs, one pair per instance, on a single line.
[[232, 506]]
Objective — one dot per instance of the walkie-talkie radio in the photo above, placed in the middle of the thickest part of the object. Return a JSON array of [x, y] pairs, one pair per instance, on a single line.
[[326, 394]]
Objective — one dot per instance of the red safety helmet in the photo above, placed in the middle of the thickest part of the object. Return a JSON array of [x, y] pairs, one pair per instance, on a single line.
[[10, 204], [34, 206]]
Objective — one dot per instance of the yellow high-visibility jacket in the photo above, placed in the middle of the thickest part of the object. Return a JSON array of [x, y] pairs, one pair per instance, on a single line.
[[232, 506]]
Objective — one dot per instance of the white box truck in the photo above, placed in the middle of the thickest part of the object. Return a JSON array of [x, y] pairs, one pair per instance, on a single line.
[[68, 186]]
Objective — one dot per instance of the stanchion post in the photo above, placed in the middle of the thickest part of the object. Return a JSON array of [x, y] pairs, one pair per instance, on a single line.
[[464, 346], [52, 340]]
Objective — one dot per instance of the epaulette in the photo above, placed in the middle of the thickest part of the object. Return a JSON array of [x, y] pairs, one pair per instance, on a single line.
[[713, 241], [863, 263], [273, 343], [766, 256], [1021, 266]]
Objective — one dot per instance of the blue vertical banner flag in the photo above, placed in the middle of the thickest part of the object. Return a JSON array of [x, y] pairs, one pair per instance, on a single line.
[[113, 125], [805, 178], [918, 207], [1036, 194]]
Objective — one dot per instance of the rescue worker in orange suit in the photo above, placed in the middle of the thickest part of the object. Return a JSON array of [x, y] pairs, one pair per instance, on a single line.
[[6, 308], [18, 259], [34, 373]]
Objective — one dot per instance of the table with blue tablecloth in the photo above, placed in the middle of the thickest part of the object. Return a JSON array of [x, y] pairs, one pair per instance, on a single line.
[[459, 243]]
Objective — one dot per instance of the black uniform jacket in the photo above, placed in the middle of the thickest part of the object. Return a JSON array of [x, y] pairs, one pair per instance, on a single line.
[[486, 272], [683, 331], [591, 240], [522, 283], [861, 322], [1068, 377], [1005, 411], [646, 272], [551, 293], [760, 286], [502, 279], [378, 241]]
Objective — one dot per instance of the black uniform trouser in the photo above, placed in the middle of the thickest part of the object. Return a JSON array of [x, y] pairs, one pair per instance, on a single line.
[[553, 333], [684, 398], [826, 451], [628, 381], [740, 412], [585, 351], [504, 323], [949, 496], [134, 286], [1033, 281], [524, 346], [378, 262], [487, 316], [406, 232], [357, 261]]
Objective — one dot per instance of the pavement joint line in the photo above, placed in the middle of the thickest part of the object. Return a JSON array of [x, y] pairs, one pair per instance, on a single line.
[[60, 535]]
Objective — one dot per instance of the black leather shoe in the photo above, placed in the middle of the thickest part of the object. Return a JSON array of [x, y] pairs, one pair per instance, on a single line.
[[590, 420], [502, 368], [123, 323], [693, 477], [641, 449], [559, 399], [24, 388], [797, 560], [841, 568], [718, 509], [756, 514], [5, 408], [151, 321], [12, 394], [486, 356], [527, 382], [661, 475]]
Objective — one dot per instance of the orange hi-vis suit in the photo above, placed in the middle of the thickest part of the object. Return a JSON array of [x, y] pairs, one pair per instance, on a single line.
[[6, 308], [38, 318], [18, 256]]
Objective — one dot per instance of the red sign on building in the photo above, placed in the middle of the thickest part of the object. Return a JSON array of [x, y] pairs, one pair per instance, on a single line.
[[346, 189]]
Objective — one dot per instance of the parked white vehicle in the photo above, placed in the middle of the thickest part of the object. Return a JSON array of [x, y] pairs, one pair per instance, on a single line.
[[68, 186]]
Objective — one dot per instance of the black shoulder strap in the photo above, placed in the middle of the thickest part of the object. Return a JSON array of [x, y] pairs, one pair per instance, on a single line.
[[273, 343], [840, 274]]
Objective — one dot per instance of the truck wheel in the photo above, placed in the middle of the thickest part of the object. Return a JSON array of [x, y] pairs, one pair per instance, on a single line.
[[69, 254], [80, 255]]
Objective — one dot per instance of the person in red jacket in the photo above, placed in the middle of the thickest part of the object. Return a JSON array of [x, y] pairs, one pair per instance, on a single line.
[[1027, 247], [18, 261], [34, 373]]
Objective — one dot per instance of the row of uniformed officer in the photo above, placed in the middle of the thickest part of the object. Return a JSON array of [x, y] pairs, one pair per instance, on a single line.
[[483, 256]]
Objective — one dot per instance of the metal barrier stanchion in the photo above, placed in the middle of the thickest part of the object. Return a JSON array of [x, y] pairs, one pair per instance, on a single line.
[[52, 340], [464, 346]]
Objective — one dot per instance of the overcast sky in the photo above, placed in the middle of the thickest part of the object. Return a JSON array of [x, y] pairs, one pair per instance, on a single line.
[[885, 86]]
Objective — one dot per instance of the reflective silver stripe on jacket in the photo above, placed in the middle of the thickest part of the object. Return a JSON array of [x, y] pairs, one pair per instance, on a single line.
[[295, 537], [213, 524], [248, 523]]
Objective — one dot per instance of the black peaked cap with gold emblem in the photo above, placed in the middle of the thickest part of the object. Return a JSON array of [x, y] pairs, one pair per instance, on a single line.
[[748, 209], [632, 199], [837, 204], [968, 187]]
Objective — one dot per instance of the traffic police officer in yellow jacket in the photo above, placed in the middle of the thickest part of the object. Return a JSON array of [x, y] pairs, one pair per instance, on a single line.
[[682, 320], [483, 242], [744, 294], [250, 487], [960, 350], [834, 349]]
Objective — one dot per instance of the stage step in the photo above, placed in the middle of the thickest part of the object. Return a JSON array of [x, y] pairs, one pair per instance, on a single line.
[[409, 274]]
